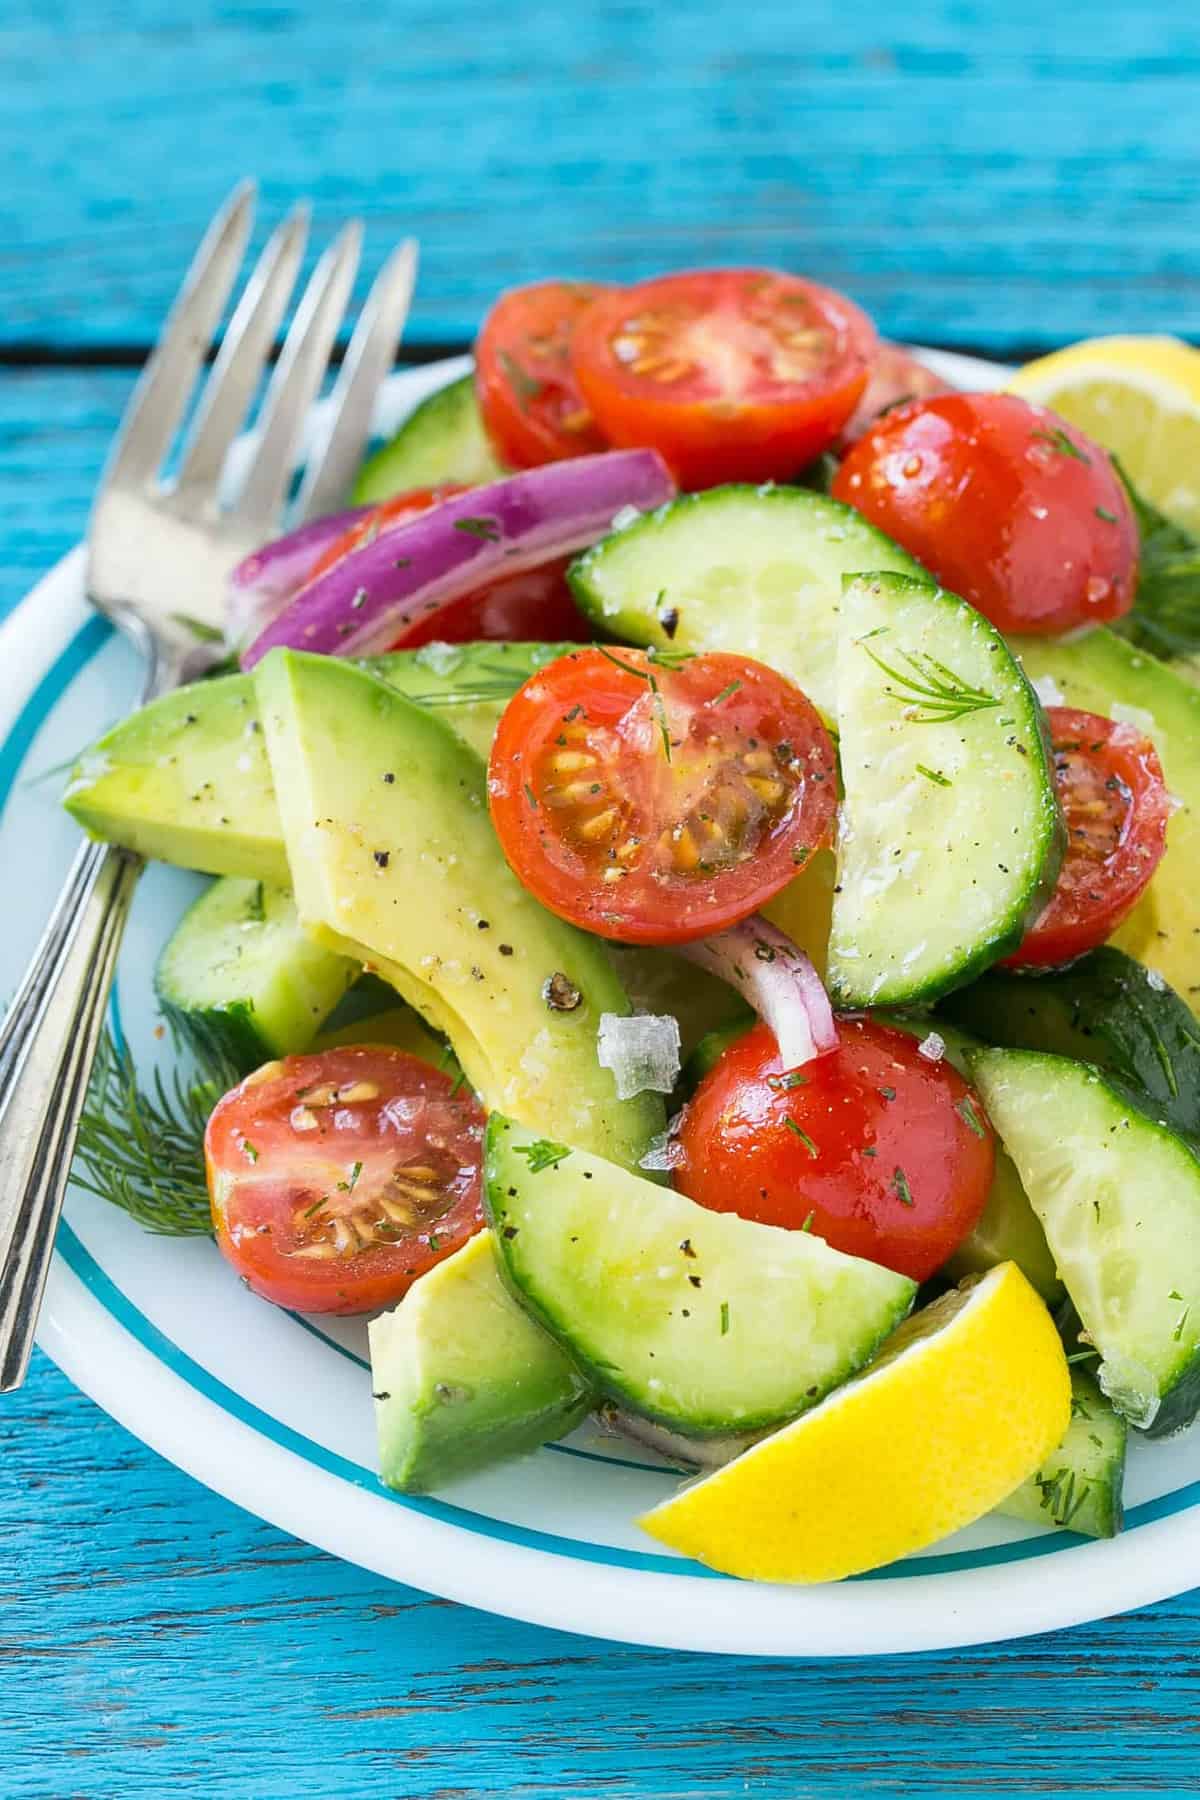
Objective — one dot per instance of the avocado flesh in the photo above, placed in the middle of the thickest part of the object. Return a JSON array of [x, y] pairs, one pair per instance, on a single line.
[[462, 1377], [407, 875], [186, 780], [1097, 672]]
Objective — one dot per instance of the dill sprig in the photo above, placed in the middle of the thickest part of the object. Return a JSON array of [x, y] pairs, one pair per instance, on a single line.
[[934, 694], [141, 1147]]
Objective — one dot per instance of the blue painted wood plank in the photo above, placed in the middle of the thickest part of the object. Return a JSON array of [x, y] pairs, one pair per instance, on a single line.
[[974, 174], [154, 1638], [55, 428]]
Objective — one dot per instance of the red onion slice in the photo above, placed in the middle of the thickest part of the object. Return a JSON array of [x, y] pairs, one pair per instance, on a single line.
[[777, 979], [364, 602], [262, 583]]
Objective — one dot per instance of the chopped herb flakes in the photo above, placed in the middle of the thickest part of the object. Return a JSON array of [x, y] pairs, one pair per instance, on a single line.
[[797, 1131], [1061, 444], [969, 1113], [724, 1318], [543, 1153], [487, 529], [903, 1191], [938, 779]]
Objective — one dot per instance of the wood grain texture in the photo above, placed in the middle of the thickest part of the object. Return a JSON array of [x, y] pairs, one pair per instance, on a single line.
[[156, 1640], [975, 173]]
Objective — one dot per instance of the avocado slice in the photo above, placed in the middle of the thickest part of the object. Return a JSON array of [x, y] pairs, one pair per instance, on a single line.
[[1101, 673], [702, 1320], [186, 779], [394, 861], [462, 1376]]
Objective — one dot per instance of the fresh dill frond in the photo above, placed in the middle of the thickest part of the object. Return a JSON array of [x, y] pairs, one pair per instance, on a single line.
[[141, 1147], [934, 694]]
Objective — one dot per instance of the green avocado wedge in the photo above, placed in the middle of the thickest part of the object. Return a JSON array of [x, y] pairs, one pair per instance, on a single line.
[[186, 779], [702, 1320], [395, 862], [462, 1377], [1118, 1195]]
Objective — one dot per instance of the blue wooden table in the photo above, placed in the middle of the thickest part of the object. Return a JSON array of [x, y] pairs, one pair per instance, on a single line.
[[992, 176]]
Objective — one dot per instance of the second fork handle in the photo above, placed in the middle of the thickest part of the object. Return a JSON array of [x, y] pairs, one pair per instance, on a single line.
[[43, 1086]]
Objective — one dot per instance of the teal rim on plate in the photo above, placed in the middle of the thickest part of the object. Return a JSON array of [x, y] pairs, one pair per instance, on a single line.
[[53, 685]]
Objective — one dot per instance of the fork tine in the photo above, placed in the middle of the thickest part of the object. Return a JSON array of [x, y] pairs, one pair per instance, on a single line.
[[296, 380], [247, 343], [158, 402], [369, 359]]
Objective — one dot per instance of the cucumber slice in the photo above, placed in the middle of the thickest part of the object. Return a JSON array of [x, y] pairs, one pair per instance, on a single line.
[[1106, 1009], [1080, 1487], [1118, 1195], [705, 1321], [241, 982], [950, 831], [443, 439], [753, 569], [462, 1377]]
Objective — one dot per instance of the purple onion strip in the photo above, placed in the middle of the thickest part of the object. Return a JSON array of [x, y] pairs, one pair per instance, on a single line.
[[777, 979], [368, 599]]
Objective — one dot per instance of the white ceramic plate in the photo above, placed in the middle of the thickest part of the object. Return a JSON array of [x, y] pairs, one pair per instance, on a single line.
[[274, 1411]]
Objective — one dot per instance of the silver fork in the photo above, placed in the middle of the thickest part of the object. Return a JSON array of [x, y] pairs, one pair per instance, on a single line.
[[158, 555]]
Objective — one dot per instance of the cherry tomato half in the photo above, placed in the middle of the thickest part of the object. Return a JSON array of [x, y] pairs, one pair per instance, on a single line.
[[1005, 503], [656, 804], [534, 607], [336, 1179], [896, 376], [1115, 803], [732, 374], [880, 1152], [528, 393]]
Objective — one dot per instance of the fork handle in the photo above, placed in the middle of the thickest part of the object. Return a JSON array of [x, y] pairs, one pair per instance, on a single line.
[[47, 1047]]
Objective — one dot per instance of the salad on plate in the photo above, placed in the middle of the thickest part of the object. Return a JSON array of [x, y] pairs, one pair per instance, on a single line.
[[705, 930]]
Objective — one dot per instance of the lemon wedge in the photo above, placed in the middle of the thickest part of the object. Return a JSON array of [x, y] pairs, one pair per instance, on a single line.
[[961, 1405], [1139, 397]]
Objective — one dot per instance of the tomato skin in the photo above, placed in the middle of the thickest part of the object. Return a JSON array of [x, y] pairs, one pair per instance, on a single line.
[[531, 401], [533, 607], [1114, 798], [731, 374], [608, 831], [896, 377], [1006, 504], [309, 1162], [899, 1181]]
